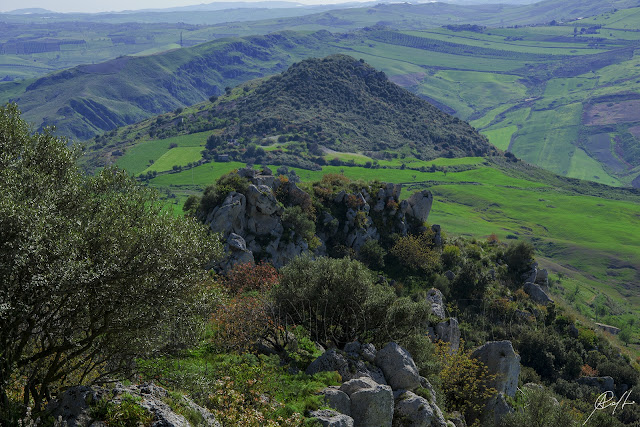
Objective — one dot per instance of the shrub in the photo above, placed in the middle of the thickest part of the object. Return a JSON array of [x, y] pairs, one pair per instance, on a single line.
[[94, 273], [127, 413], [251, 277], [372, 254], [240, 322], [415, 252], [465, 381], [538, 408], [215, 194], [336, 300], [519, 258], [293, 219]]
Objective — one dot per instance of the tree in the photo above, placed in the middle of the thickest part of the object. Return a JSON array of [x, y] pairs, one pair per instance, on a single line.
[[93, 270]]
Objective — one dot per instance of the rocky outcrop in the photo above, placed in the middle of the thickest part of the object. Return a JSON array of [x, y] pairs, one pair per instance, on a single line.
[[348, 219], [398, 367], [536, 293], [416, 411], [502, 361], [371, 403], [329, 418], [608, 328], [374, 403], [434, 296], [348, 367], [74, 405], [449, 331]]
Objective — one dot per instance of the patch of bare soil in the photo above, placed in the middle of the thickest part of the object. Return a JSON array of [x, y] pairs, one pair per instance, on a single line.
[[607, 113]]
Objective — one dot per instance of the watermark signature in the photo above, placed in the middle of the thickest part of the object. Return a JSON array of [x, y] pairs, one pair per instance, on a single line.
[[607, 400]]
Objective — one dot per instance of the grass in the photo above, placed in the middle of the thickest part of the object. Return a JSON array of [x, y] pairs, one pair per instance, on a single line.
[[178, 156], [501, 137], [485, 120]]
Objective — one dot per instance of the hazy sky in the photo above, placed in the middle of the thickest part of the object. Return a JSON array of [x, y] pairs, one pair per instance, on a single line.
[[116, 5]]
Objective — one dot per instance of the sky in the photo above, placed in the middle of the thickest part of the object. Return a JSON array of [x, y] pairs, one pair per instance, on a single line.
[[117, 5]]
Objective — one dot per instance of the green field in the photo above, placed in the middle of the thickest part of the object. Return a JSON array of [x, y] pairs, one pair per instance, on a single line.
[[501, 137]]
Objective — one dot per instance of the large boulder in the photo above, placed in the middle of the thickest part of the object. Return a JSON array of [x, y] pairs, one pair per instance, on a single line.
[[415, 411], [348, 367], [230, 216], [371, 403], [329, 418], [420, 203], [261, 200], [398, 367], [337, 399], [502, 361], [536, 293], [434, 296], [449, 331]]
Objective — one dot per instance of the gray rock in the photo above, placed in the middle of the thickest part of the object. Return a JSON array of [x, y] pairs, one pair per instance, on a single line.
[[337, 399], [498, 408], [437, 239], [450, 275], [329, 418], [236, 243], [457, 419], [261, 200], [502, 361], [449, 331], [602, 383], [536, 293], [348, 368], [532, 274], [420, 203], [353, 348], [434, 296], [608, 328], [371, 403], [416, 411], [74, 404], [368, 352], [542, 278], [398, 367], [230, 216]]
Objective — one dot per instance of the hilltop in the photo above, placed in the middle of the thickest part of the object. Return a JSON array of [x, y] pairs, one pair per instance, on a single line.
[[317, 106]]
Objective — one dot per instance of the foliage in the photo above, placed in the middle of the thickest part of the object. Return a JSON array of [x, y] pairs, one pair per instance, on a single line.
[[416, 252], [126, 413], [215, 194], [336, 300], [465, 381], [295, 220], [93, 270], [372, 255], [519, 257], [241, 390], [251, 277], [538, 407]]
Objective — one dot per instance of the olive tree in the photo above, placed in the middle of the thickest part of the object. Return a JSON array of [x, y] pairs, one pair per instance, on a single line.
[[93, 270]]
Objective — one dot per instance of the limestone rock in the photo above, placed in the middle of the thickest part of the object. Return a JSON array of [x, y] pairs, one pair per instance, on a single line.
[[348, 367], [398, 367], [536, 293], [371, 403], [420, 203], [416, 411], [498, 407], [434, 296], [502, 361], [449, 331], [329, 418], [230, 216], [542, 278], [337, 399], [457, 419], [532, 274]]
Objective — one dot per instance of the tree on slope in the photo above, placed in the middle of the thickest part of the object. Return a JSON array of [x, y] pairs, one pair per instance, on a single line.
[[93, 271]]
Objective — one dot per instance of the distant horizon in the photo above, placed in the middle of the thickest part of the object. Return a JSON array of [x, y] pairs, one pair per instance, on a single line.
[[81, 6]]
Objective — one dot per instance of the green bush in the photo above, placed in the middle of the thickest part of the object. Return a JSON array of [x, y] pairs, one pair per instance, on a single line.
[[127, 413], [372, 254], [215, 194], [537, 407]]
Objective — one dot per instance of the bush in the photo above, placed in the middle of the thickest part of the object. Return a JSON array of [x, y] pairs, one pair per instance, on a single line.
[[215, 194], [538, 408], [251, 277], [293, 219], [415, 252], [336, 300], [94, 271], [464, 381], [372, 254], [519, 258]]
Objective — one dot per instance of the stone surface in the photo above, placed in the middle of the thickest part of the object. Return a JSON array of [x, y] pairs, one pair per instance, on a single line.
[[398, 367], [498, 407], [608, 328], [348, 367], [329, 418], [536, 293], [75, 404], [337, 399], [502, 361], [434, 296], [449, 331], [371, 403], [457, 419], [416, 411], [420, 203]]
